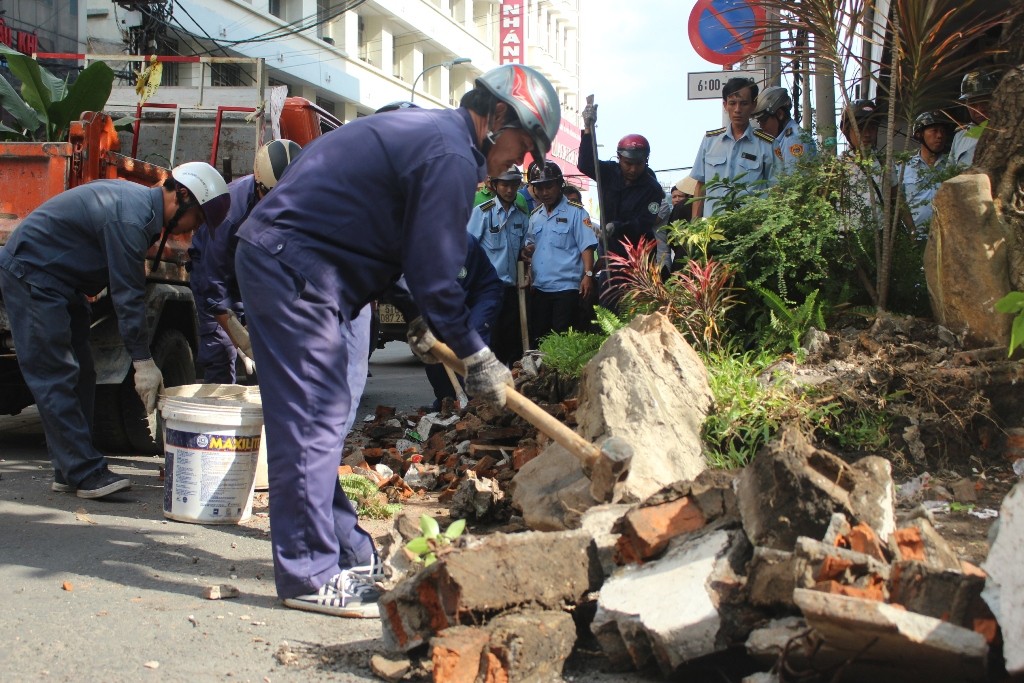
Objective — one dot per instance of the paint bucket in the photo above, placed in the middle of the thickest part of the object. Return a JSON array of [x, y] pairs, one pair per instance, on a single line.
[[211, 445], [262, 482]]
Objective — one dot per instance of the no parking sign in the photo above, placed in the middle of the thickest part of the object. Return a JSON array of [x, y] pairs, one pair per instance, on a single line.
[[726, 31]]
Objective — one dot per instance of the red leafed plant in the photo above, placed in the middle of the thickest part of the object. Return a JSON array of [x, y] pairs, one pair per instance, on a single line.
[[695, 298]]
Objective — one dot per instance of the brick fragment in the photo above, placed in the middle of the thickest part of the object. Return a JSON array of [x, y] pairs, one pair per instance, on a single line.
[[456, 654], [523, 455], [647, 530]]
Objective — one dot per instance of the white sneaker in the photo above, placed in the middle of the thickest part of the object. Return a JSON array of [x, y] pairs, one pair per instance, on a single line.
[[373, 572], [344, 595]]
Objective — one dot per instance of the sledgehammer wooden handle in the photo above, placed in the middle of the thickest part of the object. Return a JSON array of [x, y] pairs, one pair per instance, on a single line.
[[587, 452]]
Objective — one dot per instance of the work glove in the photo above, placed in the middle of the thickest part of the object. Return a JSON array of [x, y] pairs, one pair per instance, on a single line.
[[607, 230], [148, 382], [487, 377], [249, 364], [421, 340], [239, 335], [589, 115]]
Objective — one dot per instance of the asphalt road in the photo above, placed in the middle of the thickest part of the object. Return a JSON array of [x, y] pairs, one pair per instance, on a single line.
[[109, 590]]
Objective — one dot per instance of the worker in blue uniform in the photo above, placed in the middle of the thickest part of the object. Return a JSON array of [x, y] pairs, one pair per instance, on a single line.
[[212, 266], [561, 247], [500, 225], [74, 245], [738, 153], [363, 204], [773, 114]]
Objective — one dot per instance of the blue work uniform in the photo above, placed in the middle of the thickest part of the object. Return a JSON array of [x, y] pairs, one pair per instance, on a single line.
[[920, 184], [747, 159], [502, 234], [560, 237], [791, 147], [71, 247], [213, 282], [633, 209], [363, 204], [965, 141]]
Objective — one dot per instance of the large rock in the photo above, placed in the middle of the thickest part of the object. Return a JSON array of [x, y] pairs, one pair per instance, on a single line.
[[647, 386], [1004, 588], [671, 610], [487, 576], [791, 489], [965, 261]]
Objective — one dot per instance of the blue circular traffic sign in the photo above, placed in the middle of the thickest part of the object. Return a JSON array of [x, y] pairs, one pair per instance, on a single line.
[[726, 31]]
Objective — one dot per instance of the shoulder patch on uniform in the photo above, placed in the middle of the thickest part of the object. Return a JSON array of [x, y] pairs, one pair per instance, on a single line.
[[796, 150], [576, 204], [764, 136], [488, 205], [778, 152], [716, 131], [536, 209]]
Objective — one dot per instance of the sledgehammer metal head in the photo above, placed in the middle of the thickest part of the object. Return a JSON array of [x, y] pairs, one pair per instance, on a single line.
[[610, 469]]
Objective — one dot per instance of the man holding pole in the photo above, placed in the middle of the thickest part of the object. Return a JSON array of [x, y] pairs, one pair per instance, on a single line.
[[630, 194], [500, 225]]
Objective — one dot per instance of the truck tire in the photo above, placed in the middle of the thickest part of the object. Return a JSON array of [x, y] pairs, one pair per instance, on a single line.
[[173, 355], [108, 433]]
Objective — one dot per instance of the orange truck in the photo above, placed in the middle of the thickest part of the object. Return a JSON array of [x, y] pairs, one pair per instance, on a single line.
[[31, 173]]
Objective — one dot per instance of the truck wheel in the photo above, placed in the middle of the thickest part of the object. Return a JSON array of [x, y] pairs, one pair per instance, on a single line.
[[173, 355], [107, 425]]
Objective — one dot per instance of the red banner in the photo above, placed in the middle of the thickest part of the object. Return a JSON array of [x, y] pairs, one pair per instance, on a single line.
[[512, 32]]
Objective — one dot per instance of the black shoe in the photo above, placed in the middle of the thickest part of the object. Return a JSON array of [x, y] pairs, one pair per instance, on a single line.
[[60, 484], [102, 483]]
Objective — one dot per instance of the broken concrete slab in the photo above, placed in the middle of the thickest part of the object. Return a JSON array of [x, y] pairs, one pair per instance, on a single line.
[[486, 576], [647, 386], [1004, 588], [599, 521], [884, 642], [771, 578], [668, 610], [815, 562], [945, 594], [791, 489]]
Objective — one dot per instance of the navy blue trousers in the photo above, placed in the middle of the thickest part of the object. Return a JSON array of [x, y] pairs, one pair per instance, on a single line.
[[51, 337], [312, 371], [217, 353]]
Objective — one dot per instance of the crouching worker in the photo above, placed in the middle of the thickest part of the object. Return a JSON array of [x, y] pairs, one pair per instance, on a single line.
[[73, 246], [363, 204]]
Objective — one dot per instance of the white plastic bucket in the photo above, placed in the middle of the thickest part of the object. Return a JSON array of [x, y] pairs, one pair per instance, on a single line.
[[212, 437]]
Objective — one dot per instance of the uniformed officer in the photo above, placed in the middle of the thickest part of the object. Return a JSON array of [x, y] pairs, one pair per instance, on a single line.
[[489, 192], [772, 112], [921, 173], [976, 93], [561, 246], [212, 267], [74, 245], [376, 198], [738, 152], [500, 225]]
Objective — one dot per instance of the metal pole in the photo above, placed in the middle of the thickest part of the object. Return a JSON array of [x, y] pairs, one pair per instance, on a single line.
[[597, 179]]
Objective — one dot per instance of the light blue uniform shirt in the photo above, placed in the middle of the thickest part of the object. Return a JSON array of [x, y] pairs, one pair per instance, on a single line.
[[502, 233], [561, 238], [747, 159], [791, 147], [962, 150], [919, 186]]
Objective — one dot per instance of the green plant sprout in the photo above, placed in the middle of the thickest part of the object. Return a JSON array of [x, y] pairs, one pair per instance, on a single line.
[[427, 547]]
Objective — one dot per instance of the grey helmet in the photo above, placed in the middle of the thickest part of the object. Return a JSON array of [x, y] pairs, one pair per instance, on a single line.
[[926, 119], [771, 100], [512, 173], [532, 98], [978, 84], [271, 160]]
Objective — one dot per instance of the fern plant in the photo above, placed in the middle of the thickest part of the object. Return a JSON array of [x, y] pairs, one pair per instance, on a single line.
[[788, 325], [567, 352]]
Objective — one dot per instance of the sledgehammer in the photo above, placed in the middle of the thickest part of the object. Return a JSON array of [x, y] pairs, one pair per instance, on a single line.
[[606, 465]]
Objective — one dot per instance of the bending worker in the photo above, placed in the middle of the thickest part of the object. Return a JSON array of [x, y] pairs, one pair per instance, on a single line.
[[74, 245], [363, 204]]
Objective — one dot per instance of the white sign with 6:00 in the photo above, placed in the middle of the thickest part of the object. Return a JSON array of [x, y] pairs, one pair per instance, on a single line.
[[707, 85]]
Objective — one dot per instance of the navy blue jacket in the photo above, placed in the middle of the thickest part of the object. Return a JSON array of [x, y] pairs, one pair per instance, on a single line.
[[633, 208], [376, 198], [212, 256], [90, 237]]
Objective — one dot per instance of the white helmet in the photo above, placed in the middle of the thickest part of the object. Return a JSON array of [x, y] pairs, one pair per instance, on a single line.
[[208, 187], [271, 160]]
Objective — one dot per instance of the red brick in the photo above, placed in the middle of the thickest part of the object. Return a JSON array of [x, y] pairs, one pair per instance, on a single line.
[[646, 531], [456, 654], [523, 455], [863, 539]]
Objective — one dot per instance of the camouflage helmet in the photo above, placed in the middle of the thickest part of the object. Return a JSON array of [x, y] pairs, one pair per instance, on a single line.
[[926, 119], [978, 84]]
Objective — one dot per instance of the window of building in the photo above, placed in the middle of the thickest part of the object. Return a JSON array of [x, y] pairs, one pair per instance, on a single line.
[[225, 74], [274, 7]]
